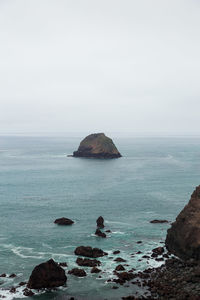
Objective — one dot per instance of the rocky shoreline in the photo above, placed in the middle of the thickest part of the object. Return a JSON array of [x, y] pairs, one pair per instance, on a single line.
[[177, 278]]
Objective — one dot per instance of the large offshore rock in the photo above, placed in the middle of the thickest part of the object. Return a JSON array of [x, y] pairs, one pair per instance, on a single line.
[[183, 238], [47, 275], [97, 145]]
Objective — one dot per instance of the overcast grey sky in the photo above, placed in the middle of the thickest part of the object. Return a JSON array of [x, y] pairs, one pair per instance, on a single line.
[[106, 65]]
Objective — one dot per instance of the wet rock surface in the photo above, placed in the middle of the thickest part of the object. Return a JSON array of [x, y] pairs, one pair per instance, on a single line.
[[183, 238], [28, 293], [95, 270], [175, 280], [119, 259], [47, 275], [100, 222], [159, 221], [119, 268], [98, 232], [64, 221], [89, 252], [77, 272], [85, 262]]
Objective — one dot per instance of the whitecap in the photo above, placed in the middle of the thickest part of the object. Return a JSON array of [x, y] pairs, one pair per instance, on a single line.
[[120, 223], [118, 232]]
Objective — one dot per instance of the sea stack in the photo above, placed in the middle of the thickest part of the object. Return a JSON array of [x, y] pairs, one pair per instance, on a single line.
[[183, 238], [97, 145]]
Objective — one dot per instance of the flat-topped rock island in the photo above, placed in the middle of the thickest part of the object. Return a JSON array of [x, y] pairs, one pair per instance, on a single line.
[[97, 145]]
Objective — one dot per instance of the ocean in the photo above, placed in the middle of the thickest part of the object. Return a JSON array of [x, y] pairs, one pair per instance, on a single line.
[[39, 183]]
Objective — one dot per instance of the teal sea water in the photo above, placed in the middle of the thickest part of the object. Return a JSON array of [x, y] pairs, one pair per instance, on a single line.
[[39, 183]]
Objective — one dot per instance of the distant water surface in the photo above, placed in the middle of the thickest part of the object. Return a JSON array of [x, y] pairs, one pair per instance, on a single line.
[[39, 183]]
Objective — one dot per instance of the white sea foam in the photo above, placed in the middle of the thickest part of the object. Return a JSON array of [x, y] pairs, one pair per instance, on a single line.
[[9, 296], [120, 223], [25, 252], [118, 232]]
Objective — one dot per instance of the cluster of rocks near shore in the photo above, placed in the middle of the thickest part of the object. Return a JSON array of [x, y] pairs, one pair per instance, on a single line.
[[50, 275], [177, 278]]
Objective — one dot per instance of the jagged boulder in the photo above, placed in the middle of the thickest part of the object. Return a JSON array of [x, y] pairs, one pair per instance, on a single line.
[[183, 238], [97, 145], [47, 275]]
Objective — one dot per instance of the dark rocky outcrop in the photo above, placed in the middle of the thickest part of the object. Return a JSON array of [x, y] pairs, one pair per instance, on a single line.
[[13, 290], [86, 262], [158, 221], [95, 270], [125, 276], [119, 259], [97, 145], [47, 275], [77, 272], [28, 293], [183, 238], [98, 232], [158, 250], [100, 222], [119, 268], [176, 279], [63, 221], [116, 252], [63, 264], [22, 283], [89, 251]]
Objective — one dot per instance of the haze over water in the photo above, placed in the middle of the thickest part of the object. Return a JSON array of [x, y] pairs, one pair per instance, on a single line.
[[39, 183]]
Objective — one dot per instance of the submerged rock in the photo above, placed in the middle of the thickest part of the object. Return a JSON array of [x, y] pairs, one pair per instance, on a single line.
[[100, 222], [97, 145], [100, 233], [89, 251], [64, 221], [47, 275], [183, 238]]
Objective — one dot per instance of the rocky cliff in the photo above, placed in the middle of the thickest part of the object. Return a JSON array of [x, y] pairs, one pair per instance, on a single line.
[[97, 145], [183, 238]]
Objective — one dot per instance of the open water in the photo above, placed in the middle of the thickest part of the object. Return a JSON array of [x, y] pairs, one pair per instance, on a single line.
[[39, 183]]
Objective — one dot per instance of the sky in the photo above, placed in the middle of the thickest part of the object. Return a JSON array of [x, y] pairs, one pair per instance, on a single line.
[[100, 66]]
